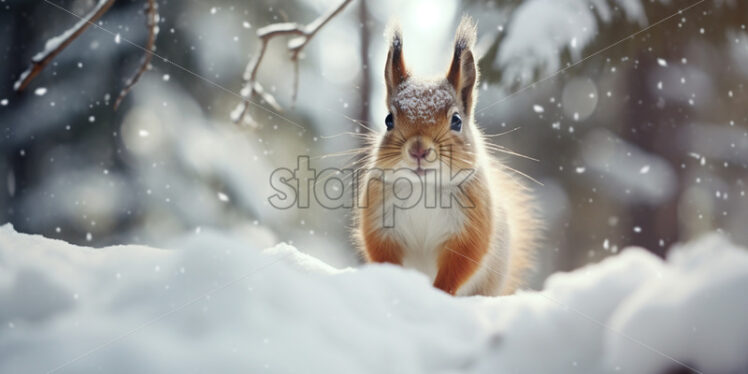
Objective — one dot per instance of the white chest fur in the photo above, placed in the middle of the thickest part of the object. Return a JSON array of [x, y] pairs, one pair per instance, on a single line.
[[422, 230]]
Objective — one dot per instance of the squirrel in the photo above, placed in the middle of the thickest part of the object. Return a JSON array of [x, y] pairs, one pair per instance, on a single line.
[[480, 238]]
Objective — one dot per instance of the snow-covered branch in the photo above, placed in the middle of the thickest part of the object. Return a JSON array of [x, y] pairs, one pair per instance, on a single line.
[[302, 34], [55, 45]]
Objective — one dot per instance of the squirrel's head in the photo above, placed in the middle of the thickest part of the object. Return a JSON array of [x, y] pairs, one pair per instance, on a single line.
[[430, 120]]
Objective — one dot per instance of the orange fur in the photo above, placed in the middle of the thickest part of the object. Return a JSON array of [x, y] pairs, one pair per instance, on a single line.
[[480, 248], [460, 256], [378, 247], [382, 249]]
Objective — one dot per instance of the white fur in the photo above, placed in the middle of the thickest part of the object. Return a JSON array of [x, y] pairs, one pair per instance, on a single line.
[[422, 228]]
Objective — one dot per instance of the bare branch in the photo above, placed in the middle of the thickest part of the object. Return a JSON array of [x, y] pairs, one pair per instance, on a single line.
[[295, 81], [55, 45], [302, 35], [152, 22]]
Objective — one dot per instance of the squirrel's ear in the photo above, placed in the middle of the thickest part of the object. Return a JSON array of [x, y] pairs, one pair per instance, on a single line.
[[463, 72], [394, 69]]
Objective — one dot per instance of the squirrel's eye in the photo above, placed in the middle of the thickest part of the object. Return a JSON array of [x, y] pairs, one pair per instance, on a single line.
[[456, 124], [389, 122]]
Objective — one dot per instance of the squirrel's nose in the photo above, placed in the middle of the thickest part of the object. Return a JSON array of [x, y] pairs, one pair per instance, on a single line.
[[418, 151]]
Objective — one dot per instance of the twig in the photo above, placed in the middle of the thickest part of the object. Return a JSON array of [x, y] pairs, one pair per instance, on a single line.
[[55, 45], [152, 19], [302, 35]]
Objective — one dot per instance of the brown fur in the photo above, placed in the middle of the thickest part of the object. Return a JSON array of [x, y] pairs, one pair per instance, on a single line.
[[460, 256], [483, 247]]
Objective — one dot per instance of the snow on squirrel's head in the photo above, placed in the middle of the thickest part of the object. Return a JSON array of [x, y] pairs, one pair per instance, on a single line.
[[430, 120]]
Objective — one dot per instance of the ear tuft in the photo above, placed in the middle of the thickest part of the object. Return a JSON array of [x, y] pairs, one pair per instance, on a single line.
[[395, 71], [463, 72], [466, 34], [395, 35]]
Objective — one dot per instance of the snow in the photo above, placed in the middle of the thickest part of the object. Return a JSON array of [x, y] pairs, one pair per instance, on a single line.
[[541, 30], [215, 303], [703, 291], [703, 138], [630, 173], [418, 101]]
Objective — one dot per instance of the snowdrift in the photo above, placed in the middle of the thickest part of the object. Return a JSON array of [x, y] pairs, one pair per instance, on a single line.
[[217, 305]]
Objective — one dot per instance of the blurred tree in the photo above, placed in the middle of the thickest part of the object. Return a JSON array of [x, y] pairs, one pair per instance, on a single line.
[[545, 39], [55, 145]]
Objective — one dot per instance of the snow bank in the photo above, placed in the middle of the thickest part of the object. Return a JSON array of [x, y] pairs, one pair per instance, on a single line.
[[541, 30], [219, 305]]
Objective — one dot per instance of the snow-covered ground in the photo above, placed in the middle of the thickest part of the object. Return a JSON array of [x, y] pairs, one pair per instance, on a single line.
[[217, 305]]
